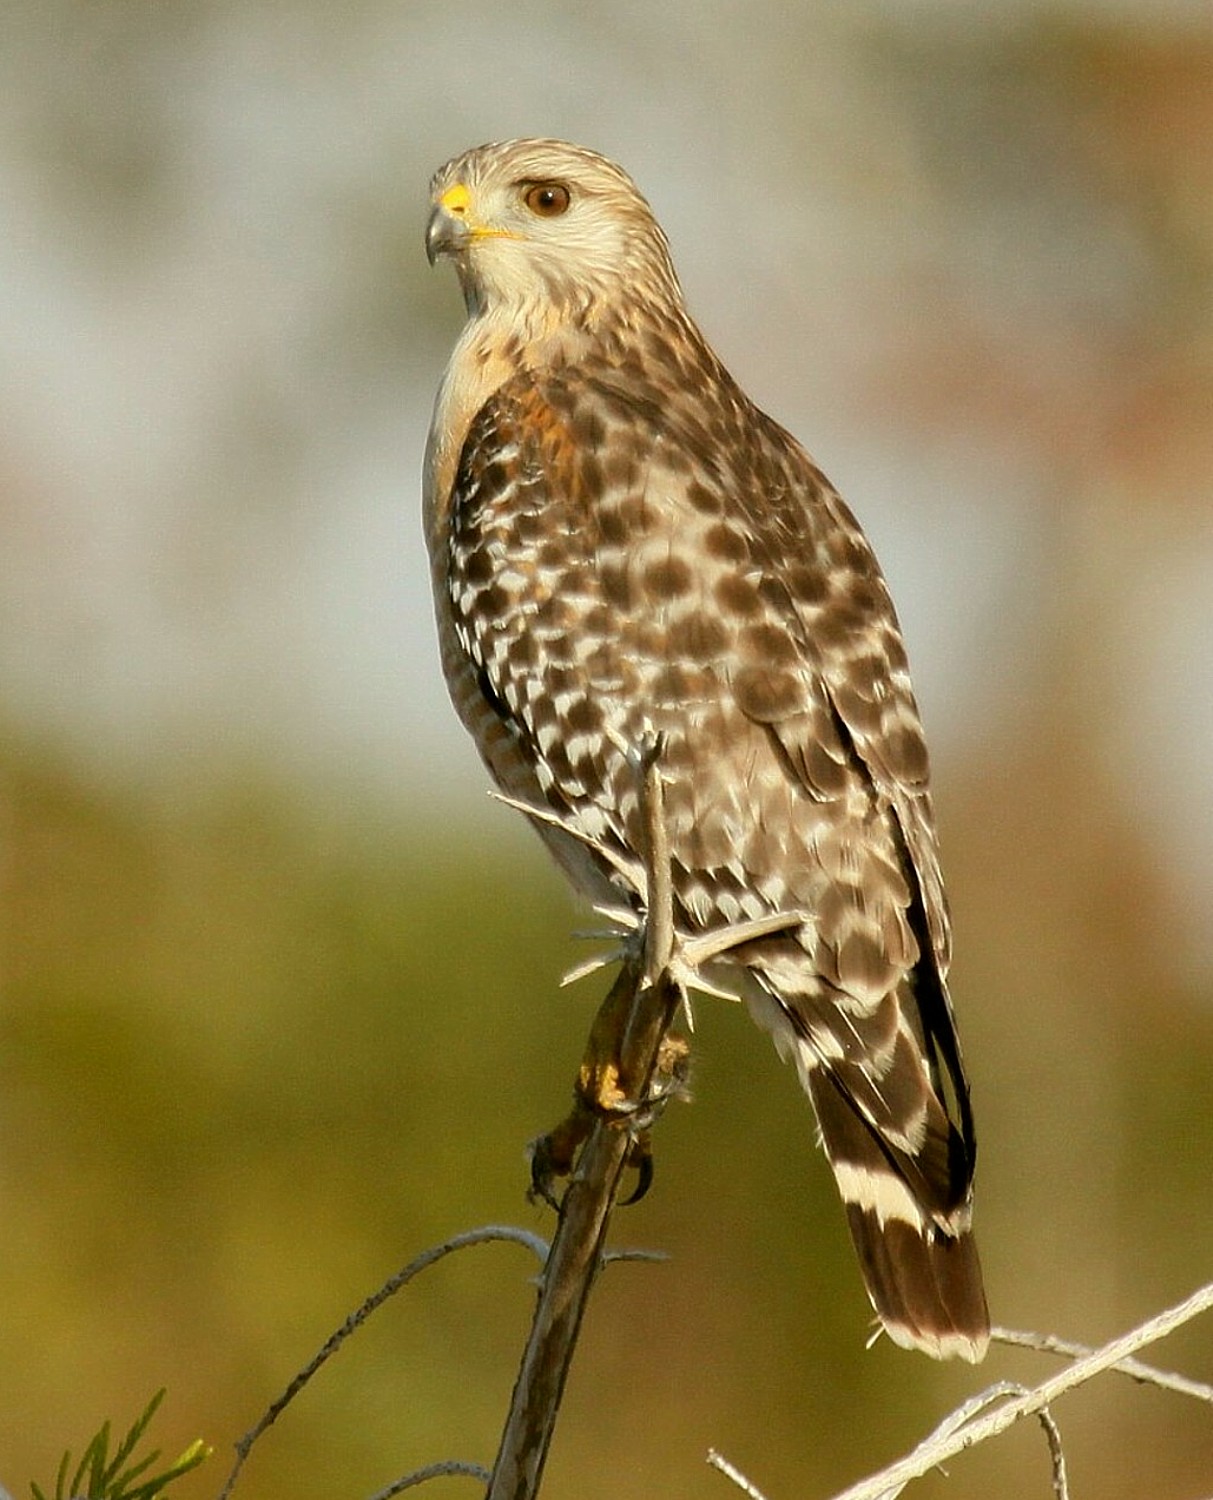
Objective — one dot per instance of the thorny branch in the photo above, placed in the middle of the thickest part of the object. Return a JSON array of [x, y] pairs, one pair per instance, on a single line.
[[648, 995], [645, 986], [488, 1234]]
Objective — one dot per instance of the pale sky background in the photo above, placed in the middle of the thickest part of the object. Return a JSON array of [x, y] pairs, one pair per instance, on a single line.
[[219, 341]]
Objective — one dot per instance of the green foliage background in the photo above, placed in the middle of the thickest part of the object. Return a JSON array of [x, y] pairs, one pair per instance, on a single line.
[[251, 1064]]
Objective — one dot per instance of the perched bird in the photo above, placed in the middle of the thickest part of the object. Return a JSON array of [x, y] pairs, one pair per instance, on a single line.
[[623, 545]]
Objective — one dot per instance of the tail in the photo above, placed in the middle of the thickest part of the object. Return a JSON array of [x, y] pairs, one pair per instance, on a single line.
[[909, 1217]]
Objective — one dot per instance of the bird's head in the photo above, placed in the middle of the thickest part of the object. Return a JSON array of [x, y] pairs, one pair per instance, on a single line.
[[539, 226]]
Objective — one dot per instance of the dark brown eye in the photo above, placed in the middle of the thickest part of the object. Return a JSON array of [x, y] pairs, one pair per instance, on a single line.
[[547, 199]]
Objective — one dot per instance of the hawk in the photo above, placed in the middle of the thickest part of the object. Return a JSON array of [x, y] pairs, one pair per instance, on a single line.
[[622, 544]]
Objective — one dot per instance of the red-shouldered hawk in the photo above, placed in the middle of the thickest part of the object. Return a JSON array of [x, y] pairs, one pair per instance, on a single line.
[[622, 544]]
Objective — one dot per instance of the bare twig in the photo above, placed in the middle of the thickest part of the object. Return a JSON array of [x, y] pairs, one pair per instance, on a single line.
[[746, 1486], [1061, 1485], [998, 1407], [1048, 1343], [564, 1291], [489, 1234], [650, 1257], [953, 1438], [645, 989], [432, 1471]]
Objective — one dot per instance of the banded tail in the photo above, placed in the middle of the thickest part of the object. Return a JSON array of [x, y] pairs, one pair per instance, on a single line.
[[909, 1217]]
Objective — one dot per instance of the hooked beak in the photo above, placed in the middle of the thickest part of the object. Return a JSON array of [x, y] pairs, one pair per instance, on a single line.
[[448, 230], [453, 227], [444, 234]]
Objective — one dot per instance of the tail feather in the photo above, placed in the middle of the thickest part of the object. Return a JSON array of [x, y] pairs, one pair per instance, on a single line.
[[924, 1283], [919, 1261]]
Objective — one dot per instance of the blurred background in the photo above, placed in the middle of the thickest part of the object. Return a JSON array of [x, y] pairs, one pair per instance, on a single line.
[[280, 1000]]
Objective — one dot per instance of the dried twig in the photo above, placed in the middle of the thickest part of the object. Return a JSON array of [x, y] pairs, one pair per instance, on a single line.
[[1000, 1406], [1048, 1343], [746, 1486], [1061, 1485], [644, 987], [433, 1471], [489, 1234], [951, 1439]]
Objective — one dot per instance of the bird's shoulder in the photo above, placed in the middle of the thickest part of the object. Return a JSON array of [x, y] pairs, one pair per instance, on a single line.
[[635, 440], [661, 412], [609, 452]]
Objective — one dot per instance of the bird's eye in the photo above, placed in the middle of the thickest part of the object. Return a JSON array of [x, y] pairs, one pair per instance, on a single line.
[[547, 199]]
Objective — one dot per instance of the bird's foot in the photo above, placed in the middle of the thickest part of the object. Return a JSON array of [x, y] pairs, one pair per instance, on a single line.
[[604, 1092]]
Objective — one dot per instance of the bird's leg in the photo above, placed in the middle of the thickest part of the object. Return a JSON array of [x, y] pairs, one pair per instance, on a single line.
[[632, 1066], [607, 1084], [668, 1081], [600, 1077]]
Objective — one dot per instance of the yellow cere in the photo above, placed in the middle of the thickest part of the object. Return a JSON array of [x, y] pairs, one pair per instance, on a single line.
[[456, 200]]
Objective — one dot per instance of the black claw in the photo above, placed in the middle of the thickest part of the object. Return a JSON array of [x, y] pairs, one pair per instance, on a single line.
[[644, 1179], [543, 1173]]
